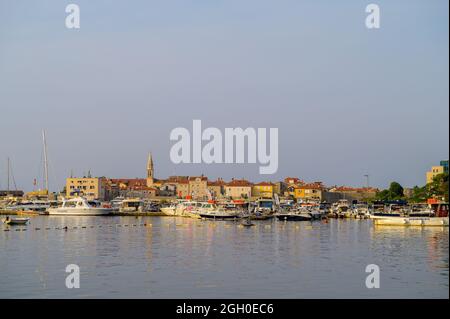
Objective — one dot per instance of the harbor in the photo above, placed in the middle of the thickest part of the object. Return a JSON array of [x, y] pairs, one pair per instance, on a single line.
[[176, 257]]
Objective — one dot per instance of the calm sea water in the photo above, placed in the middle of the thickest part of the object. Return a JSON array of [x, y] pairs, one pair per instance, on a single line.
[[187, 258]]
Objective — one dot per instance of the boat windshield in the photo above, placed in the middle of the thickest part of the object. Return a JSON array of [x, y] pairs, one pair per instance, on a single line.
[[265, 204]]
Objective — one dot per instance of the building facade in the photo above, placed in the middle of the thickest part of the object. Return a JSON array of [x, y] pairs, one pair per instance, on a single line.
[[238, 189], [435, 170], [263, 189], [89, 187]]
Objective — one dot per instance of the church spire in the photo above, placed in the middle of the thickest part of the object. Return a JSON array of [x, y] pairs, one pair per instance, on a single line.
[[150, 172]]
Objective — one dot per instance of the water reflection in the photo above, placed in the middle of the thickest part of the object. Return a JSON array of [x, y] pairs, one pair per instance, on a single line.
[[173, 257]]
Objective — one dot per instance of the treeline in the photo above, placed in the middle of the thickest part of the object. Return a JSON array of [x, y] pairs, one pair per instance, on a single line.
[[438, 188]]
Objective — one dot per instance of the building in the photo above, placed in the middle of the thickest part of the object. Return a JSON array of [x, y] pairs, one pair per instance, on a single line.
[[198, 187], [444, 164], [435, 170], [183, 188], [216, 188], [89, 187], [311, 191], [129, 187], [352, 193], [238, 188], [263, 189]]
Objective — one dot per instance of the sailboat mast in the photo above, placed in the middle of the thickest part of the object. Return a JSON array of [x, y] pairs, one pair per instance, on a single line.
[[45, 160]]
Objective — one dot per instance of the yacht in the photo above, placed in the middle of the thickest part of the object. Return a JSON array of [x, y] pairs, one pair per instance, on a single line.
[[213, 211], [80, 206]]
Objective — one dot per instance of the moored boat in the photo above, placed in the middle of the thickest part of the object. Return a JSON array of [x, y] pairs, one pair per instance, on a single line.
[[410, 221], [80, 206], [16, 220]]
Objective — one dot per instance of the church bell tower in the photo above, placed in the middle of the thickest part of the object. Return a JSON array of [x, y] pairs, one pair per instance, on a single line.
[[150, 172]]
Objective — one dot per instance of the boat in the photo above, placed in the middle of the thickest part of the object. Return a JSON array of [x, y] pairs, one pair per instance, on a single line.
[[131, 205], [294, 215], [80, 206], [16, 220], [361, 211], [393, 210], [219, 212], [246, 222], [169, 210], [420, 210], [409, 221]]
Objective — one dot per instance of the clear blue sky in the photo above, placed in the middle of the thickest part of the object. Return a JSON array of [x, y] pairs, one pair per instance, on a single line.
[[347, 100]]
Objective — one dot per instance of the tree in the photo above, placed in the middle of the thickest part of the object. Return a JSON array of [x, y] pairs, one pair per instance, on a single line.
[[396, 191], [439, 187]]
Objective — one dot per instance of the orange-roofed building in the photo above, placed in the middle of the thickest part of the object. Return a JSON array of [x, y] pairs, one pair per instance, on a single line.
[[313, 191], [238, 188], [263, 189]]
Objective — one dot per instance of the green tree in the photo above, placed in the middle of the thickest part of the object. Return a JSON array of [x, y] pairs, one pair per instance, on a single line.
[[439, 186], [396, 191]]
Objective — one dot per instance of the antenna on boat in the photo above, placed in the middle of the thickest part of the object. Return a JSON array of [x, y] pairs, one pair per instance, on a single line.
[[45, 160]]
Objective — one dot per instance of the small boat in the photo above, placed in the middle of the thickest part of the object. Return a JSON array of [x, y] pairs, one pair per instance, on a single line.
[[247, 222], [16, 220]]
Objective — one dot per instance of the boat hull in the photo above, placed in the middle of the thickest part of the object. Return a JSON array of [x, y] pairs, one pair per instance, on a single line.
[[218, 216], [293, 218], [79, 212], [411, 221], [168, 211]]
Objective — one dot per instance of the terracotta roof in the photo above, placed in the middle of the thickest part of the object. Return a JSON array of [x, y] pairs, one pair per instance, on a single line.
[[194, 178], [216, 183], [264, 184], [238, 183]]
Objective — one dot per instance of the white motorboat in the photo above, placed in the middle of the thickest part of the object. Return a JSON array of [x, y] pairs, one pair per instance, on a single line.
[[16, 220], [80, 206], [212, 211], [409, 221]]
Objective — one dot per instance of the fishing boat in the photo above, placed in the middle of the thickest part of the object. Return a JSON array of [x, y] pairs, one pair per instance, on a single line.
[[80, 206], [16, 220]]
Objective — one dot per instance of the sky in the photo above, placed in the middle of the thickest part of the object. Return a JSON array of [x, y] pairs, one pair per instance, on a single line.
[[347, 100]]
